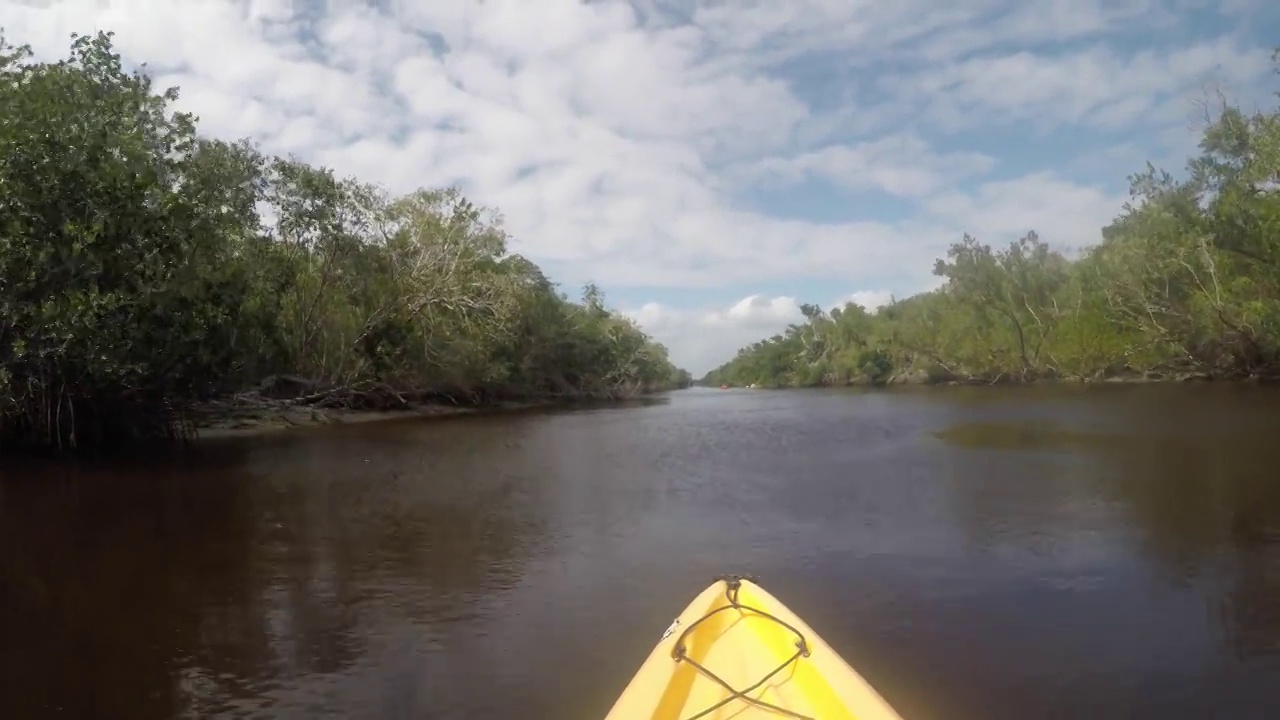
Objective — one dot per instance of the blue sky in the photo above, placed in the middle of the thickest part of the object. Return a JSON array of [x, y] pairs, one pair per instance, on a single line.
[[714, 164]]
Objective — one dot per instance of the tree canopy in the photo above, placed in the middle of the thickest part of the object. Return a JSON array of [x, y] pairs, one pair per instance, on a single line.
[[144, 268], [1184, 283]]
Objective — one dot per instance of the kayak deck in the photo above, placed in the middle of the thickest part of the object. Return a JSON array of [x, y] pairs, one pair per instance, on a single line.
[[736, 634]]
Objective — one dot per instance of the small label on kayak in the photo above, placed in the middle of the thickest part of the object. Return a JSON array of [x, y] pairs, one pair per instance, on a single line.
[[670, 629]]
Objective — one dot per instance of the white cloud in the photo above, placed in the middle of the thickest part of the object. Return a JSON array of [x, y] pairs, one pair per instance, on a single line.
[[1097, 87], [871, 300], [1073, 215], [619, 139], [703, 338], [896, 164]]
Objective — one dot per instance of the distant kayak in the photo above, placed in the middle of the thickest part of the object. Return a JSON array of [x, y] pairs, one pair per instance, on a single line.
[[737, 652]]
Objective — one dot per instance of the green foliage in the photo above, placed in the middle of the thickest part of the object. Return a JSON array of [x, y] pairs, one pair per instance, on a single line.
[[1186, 282], [137, 276]]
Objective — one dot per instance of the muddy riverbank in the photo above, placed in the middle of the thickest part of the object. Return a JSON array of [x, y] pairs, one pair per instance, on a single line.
[[253, 414]]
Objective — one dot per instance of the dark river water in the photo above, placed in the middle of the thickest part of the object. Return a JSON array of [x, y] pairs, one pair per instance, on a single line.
[[974, 552]]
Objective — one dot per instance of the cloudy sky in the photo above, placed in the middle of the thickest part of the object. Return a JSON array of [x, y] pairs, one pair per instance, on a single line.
[[713, 163]]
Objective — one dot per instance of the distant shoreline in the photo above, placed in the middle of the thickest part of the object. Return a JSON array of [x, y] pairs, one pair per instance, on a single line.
[[922, 378]]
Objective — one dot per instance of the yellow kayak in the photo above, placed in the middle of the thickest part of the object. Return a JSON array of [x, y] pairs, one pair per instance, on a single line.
[[736, 652]]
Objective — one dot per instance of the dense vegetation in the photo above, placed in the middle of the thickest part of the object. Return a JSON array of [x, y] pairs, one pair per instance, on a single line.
[[1185, 283], [144, 268]]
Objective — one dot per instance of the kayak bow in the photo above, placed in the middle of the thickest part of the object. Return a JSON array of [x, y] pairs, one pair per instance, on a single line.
[[738, 652]]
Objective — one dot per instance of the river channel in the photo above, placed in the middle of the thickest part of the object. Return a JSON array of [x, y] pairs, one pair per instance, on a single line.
[[976, 553]]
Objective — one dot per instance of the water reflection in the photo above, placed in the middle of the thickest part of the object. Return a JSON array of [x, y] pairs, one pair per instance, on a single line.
[[976, 552], [107, 577], [1193, 473], [214, 584]]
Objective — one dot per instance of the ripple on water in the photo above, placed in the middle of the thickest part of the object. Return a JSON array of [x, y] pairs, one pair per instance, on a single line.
[[976, 552]]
